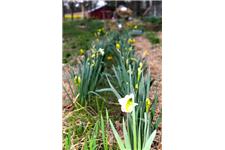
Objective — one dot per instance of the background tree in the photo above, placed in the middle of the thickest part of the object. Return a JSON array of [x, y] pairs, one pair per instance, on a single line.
[[72, 8]]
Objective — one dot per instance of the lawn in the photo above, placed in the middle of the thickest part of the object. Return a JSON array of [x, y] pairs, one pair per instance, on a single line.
[[78, 35]]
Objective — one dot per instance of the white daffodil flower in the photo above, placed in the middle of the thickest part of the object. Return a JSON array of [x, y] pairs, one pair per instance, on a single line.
[[127, 103], [101, 51]]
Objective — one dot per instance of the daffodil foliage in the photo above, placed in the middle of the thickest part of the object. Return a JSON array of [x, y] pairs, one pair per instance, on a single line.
[[111, 59]]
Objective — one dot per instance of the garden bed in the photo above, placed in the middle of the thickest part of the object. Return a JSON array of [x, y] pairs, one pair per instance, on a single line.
[[101, 90]]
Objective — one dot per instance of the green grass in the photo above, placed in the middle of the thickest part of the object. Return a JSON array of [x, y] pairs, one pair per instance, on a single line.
[[152, 36], [78, 34], [153, 20]]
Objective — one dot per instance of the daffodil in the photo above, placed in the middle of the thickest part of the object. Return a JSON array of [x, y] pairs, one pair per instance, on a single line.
[[135, 27], [127, 103], [101, 51], [127, 62], [140, 65], [93, 64], [109, 57], [130, 48], [140, 70], [131, 41], [129, 71], [81, 52], [93, 55], [117, 46], [136, 86], [77, 80], [148, 104]]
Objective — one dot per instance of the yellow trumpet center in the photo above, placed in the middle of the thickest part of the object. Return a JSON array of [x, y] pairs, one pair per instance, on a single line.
[[129, 105]]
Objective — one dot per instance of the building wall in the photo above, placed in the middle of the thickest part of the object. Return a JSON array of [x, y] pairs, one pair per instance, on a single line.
[[156, 9]]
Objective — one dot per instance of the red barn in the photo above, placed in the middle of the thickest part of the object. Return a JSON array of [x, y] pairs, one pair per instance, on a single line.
[[103, 12]]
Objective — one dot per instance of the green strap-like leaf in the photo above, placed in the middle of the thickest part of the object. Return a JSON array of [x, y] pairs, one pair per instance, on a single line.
[[150, 141], [126, 137], [118, 139]]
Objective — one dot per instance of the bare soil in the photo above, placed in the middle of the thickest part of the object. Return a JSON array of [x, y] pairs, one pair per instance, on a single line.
[[153, 56]]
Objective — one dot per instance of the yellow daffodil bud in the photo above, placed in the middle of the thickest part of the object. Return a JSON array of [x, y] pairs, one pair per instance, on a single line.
[[135, 27], [136, 86], [129, 71], [117, 46], [139, 74], [81, 51], [130, 49], [140, 70], [131, 41], [109, 57], [93, 64], [77, 80], [93, 55], [148, 104], [140, 65], [127, 62]]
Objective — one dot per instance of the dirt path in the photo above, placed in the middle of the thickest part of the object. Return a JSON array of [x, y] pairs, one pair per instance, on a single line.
[[153, 56]]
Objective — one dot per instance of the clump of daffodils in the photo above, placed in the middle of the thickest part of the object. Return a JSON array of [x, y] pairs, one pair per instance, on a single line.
[[127, 103], [95, 53]]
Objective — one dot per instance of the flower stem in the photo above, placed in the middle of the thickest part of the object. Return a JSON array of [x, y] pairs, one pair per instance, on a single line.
[[134, 130]]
